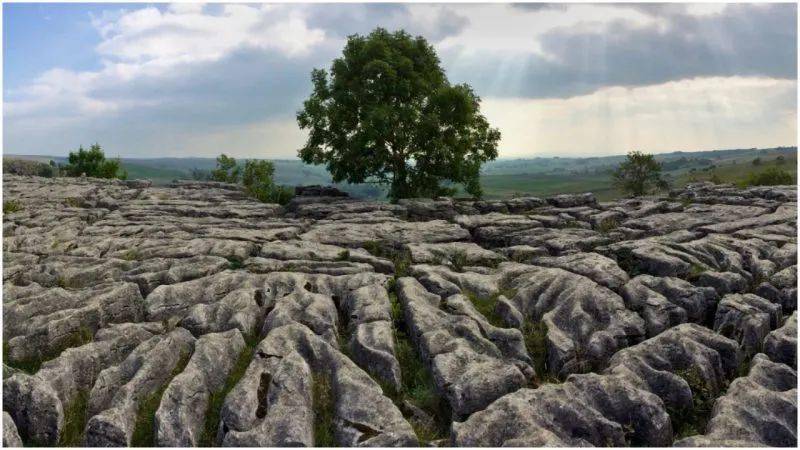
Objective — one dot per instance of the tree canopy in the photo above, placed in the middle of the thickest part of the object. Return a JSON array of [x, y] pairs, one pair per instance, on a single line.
[[93, 163], [639, 174], [387, 114]]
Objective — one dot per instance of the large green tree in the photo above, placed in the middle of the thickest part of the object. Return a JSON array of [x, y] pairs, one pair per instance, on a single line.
[[387, 114], [639, 174]]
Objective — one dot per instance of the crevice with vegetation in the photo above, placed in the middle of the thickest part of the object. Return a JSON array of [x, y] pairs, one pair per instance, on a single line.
[[75, 420], [323, 402], [144, 429], [217, 399]]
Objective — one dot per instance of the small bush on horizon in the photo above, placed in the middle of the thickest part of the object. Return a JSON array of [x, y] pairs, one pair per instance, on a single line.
[[93, 163], [256, 177]]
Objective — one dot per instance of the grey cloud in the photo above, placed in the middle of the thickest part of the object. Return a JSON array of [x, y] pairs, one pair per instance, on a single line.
[[744, 40], [344, 19]]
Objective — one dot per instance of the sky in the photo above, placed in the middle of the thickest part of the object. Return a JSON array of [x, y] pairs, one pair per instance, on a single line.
[[152, 80]]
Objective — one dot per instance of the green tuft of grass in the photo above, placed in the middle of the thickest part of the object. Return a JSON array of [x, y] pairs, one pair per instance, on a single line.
[[689, 422], [459, 260], [535, 335], [217, 399], [131, 255], [486, 306], [235, 262], [607, 225], [695, 271], [344, 255], [73, 202], [323, 412], [11, 206], [144, 429], [74, 420], [374, 248]]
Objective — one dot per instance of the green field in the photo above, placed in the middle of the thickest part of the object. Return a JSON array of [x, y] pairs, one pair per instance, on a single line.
[[505, 178]]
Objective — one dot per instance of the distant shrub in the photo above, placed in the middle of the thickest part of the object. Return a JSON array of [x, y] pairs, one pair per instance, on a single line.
[[257, 179], [93, 163], [639, 174], [28, 168], [227, 171], [757, 162], [770, 177], [258, 182], [780, 160], [201, 175]]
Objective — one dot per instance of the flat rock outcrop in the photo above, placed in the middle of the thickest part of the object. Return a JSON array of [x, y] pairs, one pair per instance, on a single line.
[[193, 315]]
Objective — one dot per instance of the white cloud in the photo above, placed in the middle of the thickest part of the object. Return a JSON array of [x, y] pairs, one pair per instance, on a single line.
[[184, 34], [696, 114]]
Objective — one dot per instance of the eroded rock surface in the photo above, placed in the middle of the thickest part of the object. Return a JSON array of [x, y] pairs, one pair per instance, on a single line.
[[190, 314]]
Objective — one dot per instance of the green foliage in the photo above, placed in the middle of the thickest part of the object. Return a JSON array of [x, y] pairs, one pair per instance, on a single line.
[[323, 412], [459, 260], [400, 258], [772, 176], [388, 115], [131, 255], [689, 422], [485, 306], [695, 271], [757, 162], [93, 163], [144, 428], [607, 225], [535, 335], [344, 255], [217, 399], [258, 183], [235, 262], [11, 206], [639, 174], [75, 419], [226, 171]]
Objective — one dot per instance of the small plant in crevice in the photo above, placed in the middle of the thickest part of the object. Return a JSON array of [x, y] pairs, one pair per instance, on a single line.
[[691, 421], [459, 260], [535, 335], [144, 428], [627, 261], [694, 272], [607, 225], [75, 418], [235, 262], [217, 399], [11, 206], [486, 306], [418, 387], [323, 411], [131, 255], [344, 255]]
